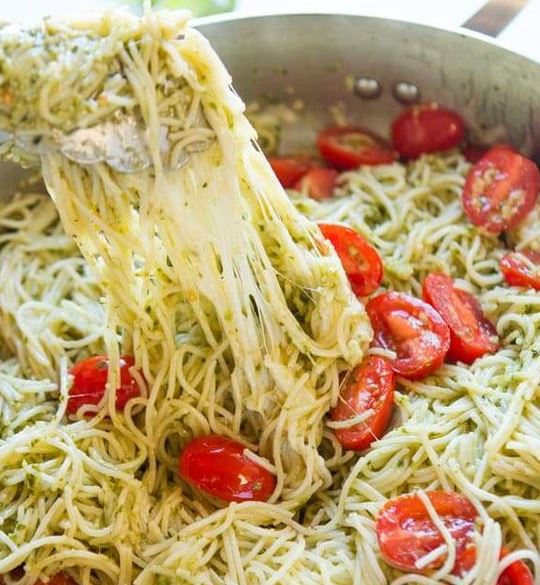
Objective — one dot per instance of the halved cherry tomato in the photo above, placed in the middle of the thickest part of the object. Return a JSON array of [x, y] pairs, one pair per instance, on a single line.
[[318, 183], [370, 387], [360, 260], [347, 147], [471, 334], [90, 378], [426, 128], [406, 533], [217, 465], [500, 189], [517, 270], [515, 574], [411, 328], [289, 169]]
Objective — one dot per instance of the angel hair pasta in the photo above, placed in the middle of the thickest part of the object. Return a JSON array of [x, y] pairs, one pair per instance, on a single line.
[[240, 319]]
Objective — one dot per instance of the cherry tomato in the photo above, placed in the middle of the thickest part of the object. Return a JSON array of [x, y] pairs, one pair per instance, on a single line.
[[500, 189], [290, 169], [471, 334], [360, 260], [90, 378], [217, 465], [515, 574], [347, 147], [426, 128], [411, 328], [406, 533], [318, 183], [517, 270], [370, 387]]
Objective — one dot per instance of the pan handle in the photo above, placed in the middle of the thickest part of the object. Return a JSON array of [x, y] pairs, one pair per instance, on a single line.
[[495, 16]]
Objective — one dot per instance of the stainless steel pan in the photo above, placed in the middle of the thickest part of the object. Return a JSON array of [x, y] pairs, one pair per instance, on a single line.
[[319, 58], [316, 58]]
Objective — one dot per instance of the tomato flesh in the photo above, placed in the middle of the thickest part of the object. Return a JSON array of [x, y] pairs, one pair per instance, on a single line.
[[500, 190], [318, 183], [517, 270], [370, 387], [289, 169], [472, 335], [218, 466], [515, 574], [348, 147], [90, 379], [360, 260], [426, 128], [411, 328], [406, 533]]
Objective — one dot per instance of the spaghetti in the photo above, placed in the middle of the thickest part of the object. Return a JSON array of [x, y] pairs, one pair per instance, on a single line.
[[241, 320]]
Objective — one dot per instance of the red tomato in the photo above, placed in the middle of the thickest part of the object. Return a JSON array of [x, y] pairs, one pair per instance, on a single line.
[[370, 387], [406, 533], [515, 574], [347, 147], [517, 270], [426, 128], [360, 260], [318, 183], [217, 465], [290, 168], [411, 328], [500, 189], [90, 378], [471, 334]]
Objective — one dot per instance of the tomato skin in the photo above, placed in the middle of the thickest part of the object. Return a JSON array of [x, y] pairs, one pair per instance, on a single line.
[[217, 465], [515, 574], [371, 386], [90, 378], [472, 335], [406, 533], [411, 328], [348, 147], [426, 128], [360, 259], [500, 189], [318, 183], [516, 271], [289, 169]]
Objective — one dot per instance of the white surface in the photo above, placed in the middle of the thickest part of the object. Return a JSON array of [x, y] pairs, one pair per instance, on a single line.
[[522, 35]]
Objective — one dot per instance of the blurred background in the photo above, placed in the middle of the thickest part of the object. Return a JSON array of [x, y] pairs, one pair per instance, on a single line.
[[521, 35]]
